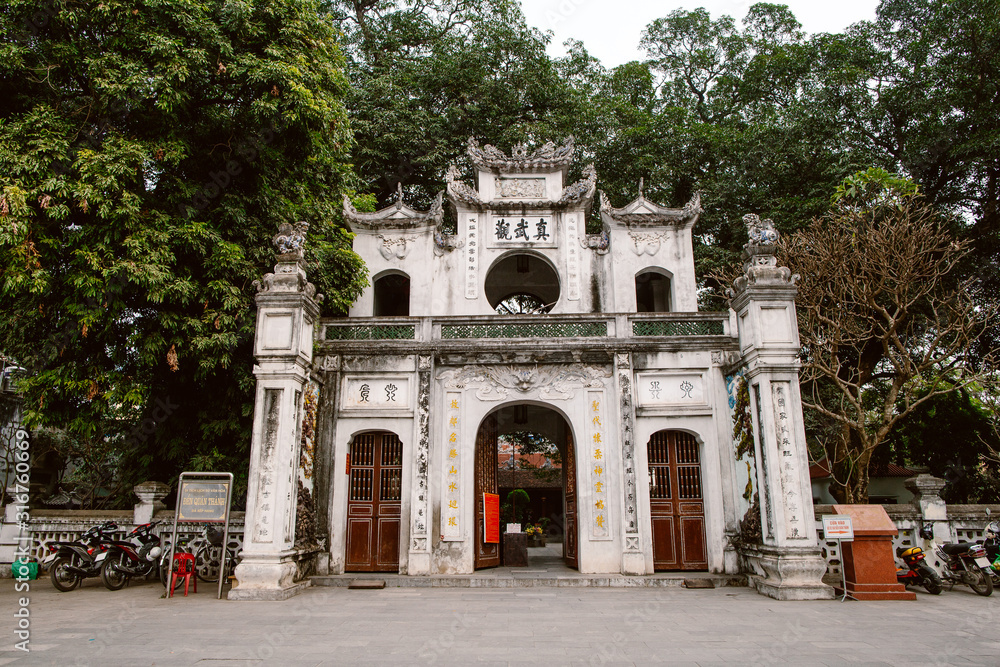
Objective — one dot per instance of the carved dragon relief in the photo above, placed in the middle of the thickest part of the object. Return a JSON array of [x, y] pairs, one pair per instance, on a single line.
[[496, 383]]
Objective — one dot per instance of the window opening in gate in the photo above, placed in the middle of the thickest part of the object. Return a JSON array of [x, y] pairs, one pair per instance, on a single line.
[[392, 295], [652, 292], [522, 284]]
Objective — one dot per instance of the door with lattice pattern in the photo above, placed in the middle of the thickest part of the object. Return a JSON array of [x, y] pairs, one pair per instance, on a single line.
[[373, 504], [677, 507]]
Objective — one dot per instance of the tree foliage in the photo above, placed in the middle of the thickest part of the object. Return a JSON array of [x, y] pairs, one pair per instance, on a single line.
[[884, 326], [148, 150]]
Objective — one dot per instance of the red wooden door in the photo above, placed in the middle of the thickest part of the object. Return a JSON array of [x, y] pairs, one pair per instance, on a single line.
[[570, 537], [373, 505], [676, 506], [487, 555]]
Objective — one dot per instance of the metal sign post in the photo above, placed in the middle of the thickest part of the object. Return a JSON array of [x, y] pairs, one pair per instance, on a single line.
[[839, 527], [203, 497]]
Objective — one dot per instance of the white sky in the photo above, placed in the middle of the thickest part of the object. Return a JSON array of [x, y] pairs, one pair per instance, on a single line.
[[610, 30]]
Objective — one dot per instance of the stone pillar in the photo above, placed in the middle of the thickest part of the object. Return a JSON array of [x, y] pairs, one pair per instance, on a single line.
[[151, 495], [764, 301], [287, 308], [926, 490]]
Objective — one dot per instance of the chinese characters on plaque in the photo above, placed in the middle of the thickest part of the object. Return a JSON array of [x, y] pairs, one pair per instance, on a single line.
[[451, 491], [597, 461], [670, 389], [786, 463], [377, 393], [514, 230], [472, 241]]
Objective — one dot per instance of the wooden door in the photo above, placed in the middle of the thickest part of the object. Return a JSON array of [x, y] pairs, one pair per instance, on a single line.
[[570, 542], [487, 555], [676, 506], [373, 505]]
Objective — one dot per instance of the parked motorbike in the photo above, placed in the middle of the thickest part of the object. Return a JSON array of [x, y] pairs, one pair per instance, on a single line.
[[136, 556], [917, 571], [991, 545], [965, 563], [69, 563]]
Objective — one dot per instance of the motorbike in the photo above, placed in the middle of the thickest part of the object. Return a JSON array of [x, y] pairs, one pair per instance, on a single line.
[[138, 555], [991, 545], [69, 563], [964, 563], [917, 571]]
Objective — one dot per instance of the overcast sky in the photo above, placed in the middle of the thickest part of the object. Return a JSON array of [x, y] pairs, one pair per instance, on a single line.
[[610, 29]]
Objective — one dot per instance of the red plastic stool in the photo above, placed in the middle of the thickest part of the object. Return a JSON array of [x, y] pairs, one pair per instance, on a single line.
[[183, 567]]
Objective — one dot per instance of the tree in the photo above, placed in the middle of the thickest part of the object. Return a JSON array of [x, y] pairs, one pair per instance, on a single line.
[[428, 74], [148, 150], [885, 326]]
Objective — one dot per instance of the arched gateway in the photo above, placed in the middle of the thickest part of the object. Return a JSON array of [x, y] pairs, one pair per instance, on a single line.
[[524, 308]]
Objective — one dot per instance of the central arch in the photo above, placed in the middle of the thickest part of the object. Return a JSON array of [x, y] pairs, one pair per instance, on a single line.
[[548, 424]]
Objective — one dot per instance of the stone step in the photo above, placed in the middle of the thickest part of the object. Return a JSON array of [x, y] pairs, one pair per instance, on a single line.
[[532, 580]]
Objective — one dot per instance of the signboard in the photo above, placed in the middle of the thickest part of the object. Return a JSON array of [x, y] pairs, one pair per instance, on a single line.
[[491, 518], [203, 501], [838, 527], [203, 497]]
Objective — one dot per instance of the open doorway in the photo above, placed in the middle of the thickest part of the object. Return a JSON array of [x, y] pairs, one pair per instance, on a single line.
[[525, 454]]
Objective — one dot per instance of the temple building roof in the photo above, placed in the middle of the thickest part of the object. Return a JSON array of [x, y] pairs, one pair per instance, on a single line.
[[395, 216], [549, 157], [643, 212]]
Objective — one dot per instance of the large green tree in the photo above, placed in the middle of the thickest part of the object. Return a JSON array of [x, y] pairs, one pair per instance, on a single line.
[[428, 74], [148, 151]]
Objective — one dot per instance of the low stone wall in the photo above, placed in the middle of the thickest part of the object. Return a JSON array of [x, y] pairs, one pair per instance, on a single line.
[[962, 523], [67, 525]]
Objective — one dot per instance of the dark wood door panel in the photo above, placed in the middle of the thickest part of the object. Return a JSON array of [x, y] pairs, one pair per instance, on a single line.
[[486, 555], [677, 511], [373, 506]]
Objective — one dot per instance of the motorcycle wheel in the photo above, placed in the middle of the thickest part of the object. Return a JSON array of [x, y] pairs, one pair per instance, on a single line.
[[165, 574], [61, 579], [930, 580], [111, 575], [980, 582]]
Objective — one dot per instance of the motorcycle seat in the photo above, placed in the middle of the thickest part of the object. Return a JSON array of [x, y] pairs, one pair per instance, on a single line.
[[956, 549]]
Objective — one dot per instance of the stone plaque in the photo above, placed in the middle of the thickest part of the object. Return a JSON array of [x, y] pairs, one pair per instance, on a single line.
[[380, 393], [534, 231], [520, 188], [670, 389]]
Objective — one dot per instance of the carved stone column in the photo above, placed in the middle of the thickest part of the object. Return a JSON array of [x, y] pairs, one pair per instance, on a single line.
[[764, 301], [287, 308], [151, 495]]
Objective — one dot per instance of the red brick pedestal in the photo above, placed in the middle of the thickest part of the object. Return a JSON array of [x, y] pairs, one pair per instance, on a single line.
[[868, 561]]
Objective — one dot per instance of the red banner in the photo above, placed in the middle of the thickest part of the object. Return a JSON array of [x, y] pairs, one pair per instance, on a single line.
[[491, 518]]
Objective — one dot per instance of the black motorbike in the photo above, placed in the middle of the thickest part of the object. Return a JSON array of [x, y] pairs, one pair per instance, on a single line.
[[69, 563], [965, 563], [138, 555]]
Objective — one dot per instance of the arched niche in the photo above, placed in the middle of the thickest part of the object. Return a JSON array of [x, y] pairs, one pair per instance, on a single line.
[[652, 291], [392, 294]]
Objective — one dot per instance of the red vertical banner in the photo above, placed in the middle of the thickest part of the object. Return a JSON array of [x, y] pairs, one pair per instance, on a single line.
[[491, 518]]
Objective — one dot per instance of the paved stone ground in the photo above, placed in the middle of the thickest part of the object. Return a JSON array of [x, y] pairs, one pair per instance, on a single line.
[[590, 626]]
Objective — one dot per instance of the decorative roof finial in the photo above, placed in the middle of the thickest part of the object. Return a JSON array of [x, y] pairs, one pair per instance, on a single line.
[[399, 195], [641, 183]]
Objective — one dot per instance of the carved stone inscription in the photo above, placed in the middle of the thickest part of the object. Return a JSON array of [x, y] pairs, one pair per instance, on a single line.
[[419, 514], [451, 493], [597, 461], [789, 474], [263, 530], [472, 241], [364, 393], [520, 188]]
